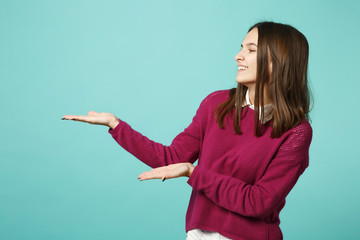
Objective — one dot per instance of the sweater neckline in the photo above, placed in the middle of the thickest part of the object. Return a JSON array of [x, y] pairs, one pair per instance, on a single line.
[[267, 108]]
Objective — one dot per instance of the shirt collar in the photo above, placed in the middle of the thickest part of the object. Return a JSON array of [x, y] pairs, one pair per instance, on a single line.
[[267, 108]]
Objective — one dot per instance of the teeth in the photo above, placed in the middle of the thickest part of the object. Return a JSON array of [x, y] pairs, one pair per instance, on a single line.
[[242, 68]]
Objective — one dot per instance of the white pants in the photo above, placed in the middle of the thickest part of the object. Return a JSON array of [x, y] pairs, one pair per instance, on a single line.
[[198, 234]]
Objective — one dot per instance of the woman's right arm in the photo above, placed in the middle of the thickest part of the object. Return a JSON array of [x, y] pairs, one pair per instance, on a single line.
[[184, 148]]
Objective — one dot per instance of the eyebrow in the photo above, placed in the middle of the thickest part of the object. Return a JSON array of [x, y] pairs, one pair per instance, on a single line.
[[248, 44]]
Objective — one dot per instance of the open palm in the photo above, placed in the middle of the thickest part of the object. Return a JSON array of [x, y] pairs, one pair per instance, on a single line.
[[107, 119]]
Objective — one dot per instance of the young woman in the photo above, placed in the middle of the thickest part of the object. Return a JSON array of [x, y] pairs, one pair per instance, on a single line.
[[252, 142]]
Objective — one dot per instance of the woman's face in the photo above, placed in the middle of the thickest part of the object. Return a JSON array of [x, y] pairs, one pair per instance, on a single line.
[[246, 60]]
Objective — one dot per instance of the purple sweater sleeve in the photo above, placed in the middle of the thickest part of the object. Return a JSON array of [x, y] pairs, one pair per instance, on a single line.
[[184, 148], [268, 193]]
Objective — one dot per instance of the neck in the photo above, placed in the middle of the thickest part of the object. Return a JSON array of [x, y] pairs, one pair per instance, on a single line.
[[252, 96]]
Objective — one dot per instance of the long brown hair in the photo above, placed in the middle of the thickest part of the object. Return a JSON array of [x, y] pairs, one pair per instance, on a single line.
[[288, 90]]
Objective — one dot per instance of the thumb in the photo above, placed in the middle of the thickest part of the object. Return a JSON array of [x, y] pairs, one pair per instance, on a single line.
[[92, 113]]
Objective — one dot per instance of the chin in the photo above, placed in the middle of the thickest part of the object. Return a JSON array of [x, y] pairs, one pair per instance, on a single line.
[[247, 83], [244, 81]]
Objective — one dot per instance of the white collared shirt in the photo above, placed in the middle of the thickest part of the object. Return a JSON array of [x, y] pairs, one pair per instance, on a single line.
[[197, 233], [267, 108]]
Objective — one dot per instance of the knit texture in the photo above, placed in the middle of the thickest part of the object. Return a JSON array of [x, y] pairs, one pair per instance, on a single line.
[[241, 181]]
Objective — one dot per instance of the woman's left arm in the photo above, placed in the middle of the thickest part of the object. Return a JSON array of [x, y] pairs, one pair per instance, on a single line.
[[255, 200]]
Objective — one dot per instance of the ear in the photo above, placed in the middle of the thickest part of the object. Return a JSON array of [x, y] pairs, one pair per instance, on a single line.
[[270, 66], [269, 61]]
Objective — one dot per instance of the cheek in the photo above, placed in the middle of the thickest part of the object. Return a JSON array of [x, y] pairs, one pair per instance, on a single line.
[[254, 65], [254, 62]]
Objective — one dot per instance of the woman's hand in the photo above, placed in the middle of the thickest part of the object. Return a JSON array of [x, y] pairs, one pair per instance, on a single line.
[[106, 119], [170, 171]]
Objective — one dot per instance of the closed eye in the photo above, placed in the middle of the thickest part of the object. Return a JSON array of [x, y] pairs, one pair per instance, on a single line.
[[250, 50], [248, 45]]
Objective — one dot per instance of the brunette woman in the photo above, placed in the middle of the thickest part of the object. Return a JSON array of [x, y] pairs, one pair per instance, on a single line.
[[251, 143]]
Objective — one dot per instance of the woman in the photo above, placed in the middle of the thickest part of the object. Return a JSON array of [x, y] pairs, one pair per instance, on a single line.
[[252, 142]]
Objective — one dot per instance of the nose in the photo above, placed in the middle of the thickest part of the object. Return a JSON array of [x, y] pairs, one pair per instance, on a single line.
[[239, 56]]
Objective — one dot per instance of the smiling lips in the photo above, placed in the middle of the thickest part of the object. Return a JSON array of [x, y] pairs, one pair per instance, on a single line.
[[242, 68]]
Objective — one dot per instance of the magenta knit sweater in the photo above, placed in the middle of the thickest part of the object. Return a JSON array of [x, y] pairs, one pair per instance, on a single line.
[[241, 181]]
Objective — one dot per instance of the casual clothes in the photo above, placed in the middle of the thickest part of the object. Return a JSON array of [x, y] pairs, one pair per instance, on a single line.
[[241, 181], [198, 234]]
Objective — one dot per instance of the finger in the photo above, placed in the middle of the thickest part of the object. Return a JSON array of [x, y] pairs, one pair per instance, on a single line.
[[151, 175], [142, 178], [167, 172], [145, 176], [77, 118], [156, 170]]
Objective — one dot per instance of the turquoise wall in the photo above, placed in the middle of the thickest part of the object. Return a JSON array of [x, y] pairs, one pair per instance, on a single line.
[[151, 63]]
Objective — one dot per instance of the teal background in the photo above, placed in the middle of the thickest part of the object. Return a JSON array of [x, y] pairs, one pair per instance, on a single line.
[[151, 63]]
